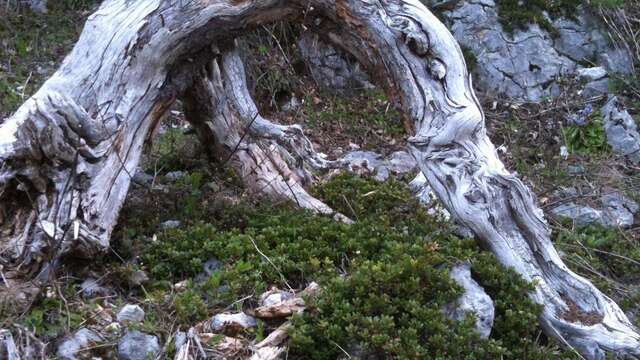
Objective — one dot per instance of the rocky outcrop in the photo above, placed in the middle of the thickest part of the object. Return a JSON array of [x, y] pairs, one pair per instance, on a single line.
[[524, 65], [622, 131]]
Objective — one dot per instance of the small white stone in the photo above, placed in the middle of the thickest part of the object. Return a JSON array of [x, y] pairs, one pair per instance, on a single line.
[[131, 313], [592, 73], [240, 320]]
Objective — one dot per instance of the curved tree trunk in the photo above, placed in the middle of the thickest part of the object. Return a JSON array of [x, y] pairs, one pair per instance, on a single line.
[[67, 154], [271, 159]]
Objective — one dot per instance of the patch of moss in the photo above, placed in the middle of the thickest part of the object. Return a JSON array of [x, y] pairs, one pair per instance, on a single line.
[[519, 15], [469, 58], [32, 45]]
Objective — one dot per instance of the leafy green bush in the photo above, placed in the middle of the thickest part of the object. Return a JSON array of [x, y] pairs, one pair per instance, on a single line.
[[384, 278], [190, 307], [589, 139]]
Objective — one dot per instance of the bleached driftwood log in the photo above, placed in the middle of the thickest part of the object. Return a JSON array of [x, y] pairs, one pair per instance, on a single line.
[[67, 154]]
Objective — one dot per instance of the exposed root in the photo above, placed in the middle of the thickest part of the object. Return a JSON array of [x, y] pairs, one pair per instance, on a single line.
[[271, 159]]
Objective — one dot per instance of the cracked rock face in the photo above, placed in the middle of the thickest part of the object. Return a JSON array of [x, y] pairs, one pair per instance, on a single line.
[[525, 65]]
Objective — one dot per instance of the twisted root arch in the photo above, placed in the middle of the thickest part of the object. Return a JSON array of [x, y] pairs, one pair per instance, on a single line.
[[66, 155]]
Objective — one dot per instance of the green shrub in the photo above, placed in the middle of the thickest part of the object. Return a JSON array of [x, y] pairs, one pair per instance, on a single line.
[[589, 139], [190, 307], [384, 278]]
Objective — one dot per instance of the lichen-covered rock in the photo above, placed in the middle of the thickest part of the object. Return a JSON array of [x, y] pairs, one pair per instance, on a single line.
[[79, 340], [474, 300], [135, 345], [622, 131]]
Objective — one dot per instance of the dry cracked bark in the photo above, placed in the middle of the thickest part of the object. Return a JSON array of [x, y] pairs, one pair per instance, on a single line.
[[67, 154], [271, 159]]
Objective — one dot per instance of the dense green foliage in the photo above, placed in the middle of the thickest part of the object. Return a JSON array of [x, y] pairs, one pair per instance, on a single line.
[[384, 278], [588, 139]]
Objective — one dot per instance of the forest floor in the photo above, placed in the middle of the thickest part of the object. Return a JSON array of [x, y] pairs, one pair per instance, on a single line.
[[383, 279]]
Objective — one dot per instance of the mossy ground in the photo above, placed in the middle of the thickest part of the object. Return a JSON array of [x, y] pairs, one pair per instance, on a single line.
[[31, 45]]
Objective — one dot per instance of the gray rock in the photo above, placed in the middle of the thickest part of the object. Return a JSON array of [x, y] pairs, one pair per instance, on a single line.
[[138, 278], [575, 170], [142, 178], [208, 268], [233, 322], [179, 339], [131, 313], [212, 265], [401, 162], [39, 6], [274, 297], [595, 88], [90, 288], [135, 345], [591, 74], [581, 215], [292, 105], [622, 131], [363, 160], [72, 345], [330, 68], [398, 163], [174, 175], [618, 210], [474, 300], [170, 224]]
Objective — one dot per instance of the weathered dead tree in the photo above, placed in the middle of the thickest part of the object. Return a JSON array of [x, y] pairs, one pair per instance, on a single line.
[[271, 159], [66, 156]]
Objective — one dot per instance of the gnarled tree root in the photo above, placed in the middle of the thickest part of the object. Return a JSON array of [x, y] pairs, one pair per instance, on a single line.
[[271, 159], [67, 154]]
